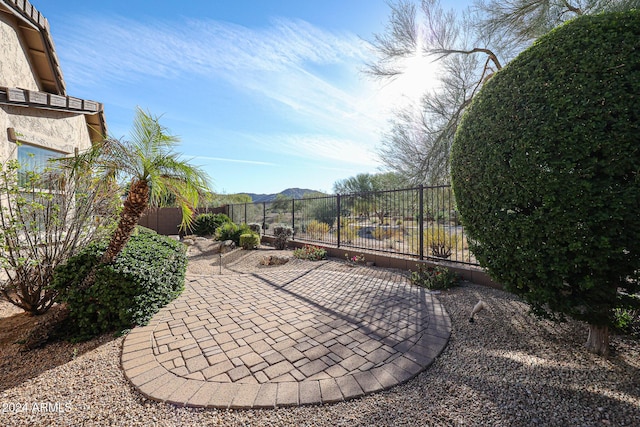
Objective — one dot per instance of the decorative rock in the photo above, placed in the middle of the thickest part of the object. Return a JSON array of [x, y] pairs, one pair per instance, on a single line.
[[227, 246], [274, 260]]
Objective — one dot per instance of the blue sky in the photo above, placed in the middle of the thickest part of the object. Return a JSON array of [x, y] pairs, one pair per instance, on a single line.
[[265, 95]]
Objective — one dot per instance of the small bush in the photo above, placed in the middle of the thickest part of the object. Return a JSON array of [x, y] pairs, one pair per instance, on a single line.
[[142, 230], [355, 259], [207, 224], [311, 253], [282, 235], [384, 233], [441, 242], [256, 228], [434, 278], [250, 241], [232, 231], [349, 234], [627, 321], [148, 274], [227, 231], [317, 229]]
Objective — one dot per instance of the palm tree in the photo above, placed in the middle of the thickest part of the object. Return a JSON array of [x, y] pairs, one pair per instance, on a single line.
[[153, 171]]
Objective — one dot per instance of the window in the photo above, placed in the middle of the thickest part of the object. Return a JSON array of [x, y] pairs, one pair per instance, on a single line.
[[41, 203], [34, 159]]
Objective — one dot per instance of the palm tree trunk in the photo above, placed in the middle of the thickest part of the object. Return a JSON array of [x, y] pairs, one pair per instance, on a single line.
[[134, 206]]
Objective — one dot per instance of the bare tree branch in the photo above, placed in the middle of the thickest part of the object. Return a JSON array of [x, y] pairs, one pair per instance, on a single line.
[[469, 48], [399, 40], [491, 56]]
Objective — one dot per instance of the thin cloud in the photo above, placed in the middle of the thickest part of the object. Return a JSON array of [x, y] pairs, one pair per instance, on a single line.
[[163, 49], [223, 159], [291, 62], [338, 151]]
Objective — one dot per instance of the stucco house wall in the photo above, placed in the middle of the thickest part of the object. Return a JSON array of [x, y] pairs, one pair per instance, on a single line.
[[34, 106], [15, 68], [54, 130]]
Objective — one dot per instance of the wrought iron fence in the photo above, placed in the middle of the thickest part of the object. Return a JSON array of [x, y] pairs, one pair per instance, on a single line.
[[419, 222]]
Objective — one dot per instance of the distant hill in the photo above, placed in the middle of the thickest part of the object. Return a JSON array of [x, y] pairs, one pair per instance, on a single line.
[[294, 193]]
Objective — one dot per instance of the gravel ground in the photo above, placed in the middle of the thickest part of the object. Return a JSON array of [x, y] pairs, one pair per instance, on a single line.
[[505, 369]]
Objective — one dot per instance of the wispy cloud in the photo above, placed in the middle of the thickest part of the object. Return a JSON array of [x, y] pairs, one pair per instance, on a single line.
[[291, 63], [338, 151], [135, 50], [222, 159]]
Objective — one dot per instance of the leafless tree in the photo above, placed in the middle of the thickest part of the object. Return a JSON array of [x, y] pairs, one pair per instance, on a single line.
[[469, 47], [46, 216]]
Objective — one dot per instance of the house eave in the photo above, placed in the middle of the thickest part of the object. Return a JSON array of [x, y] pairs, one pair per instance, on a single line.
[[41, 49], [92, 110]]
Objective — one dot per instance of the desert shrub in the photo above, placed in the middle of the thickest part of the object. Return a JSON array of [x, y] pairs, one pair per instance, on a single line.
[[47, 215], [317, 230], [627, 321], [232, 231], [386, 233], [441, 241], [207, 224], [381, 233], [310, 252], [438, 241], [355, 259], [545, 171], [434, 277], [255, 227], [324, 210], [250, 241], [349, 233], [227, 231], [147, 275], [282, 235]]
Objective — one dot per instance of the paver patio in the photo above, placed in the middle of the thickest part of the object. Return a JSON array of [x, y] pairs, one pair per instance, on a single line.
[[285, 337]]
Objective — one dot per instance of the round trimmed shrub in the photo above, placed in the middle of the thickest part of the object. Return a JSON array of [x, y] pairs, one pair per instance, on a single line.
[[250, 241], [545, 169], [147, 275]]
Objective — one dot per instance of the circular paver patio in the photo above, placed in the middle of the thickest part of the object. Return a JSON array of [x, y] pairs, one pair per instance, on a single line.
[[286, 337]]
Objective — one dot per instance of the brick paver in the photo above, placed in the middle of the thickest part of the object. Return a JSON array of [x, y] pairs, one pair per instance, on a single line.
[[309, 334]]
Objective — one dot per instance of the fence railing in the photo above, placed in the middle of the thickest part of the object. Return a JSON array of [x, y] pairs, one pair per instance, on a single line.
[[419, 222]]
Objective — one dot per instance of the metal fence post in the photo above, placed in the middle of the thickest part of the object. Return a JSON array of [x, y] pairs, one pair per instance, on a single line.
[[245, 213], [264, 217], [293, 219], [421, 220], [338, 217]]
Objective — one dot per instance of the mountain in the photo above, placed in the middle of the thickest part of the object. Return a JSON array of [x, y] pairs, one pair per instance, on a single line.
[[294, 193]]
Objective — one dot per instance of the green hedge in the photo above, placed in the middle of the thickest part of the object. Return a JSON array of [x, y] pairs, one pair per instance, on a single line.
[[545, 170], [148, 274]]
